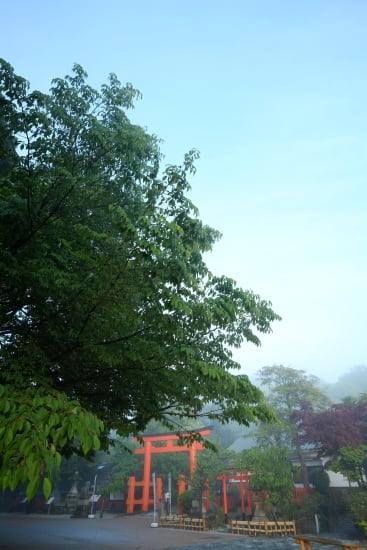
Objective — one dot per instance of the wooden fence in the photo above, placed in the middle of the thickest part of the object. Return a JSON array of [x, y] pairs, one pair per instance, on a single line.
[[183, 522], [263, 528]]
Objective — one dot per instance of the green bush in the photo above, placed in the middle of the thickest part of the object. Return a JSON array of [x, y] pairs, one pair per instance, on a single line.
[[185, 499], [357, 501]]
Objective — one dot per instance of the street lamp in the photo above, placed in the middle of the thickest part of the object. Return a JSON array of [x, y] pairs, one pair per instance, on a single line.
[[94, 497]]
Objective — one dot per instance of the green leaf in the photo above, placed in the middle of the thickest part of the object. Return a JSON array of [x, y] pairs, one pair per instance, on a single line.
[[96, 442], [32, 488], [47, 488]]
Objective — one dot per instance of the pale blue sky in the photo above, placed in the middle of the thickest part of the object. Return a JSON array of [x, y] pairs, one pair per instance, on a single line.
[[273, 94]]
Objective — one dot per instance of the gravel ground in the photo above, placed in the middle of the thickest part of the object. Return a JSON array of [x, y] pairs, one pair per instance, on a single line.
[[247, 543], [257, 543], [32, 532]]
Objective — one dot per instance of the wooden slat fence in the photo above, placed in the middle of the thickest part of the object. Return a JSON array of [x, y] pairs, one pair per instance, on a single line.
[[183, 522], [263, 528]]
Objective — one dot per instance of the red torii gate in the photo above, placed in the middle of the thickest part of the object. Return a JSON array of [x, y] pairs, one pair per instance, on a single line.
[[242, 477], [162, 443]]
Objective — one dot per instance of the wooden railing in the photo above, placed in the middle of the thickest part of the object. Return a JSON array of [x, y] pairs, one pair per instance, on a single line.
[[305, 543], [183, 522], [263, 528]]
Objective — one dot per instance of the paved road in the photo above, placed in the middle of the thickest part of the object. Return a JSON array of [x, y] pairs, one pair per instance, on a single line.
[[22, 532]]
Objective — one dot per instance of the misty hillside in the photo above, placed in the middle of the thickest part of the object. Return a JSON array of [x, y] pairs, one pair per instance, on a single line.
[[351, 384]]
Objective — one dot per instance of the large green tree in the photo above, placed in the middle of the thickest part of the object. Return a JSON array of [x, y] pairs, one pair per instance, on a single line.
[[109, 315], [288, 390]]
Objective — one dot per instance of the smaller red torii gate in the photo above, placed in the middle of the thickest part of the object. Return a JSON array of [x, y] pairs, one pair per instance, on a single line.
[[242, 477], [156, 444]]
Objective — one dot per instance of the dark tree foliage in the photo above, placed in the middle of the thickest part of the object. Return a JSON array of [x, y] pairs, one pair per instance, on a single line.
[[109, 316], [340, 433], [341, 425]]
